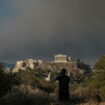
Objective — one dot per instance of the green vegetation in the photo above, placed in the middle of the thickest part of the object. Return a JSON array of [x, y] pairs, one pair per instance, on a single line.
[[5, 78], [29, 87], [24, 98], [100, 64], [93, 87]]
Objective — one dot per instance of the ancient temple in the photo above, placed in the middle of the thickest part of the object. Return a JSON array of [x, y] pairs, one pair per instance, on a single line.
[[62, 58]]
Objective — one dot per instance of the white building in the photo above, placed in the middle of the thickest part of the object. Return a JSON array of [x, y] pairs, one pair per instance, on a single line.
[[62, 58]]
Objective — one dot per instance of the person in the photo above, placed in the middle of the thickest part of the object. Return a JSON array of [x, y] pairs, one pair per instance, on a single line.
[[63, 80]]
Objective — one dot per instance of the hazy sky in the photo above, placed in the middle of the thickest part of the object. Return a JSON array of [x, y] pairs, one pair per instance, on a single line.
[[42, 28]]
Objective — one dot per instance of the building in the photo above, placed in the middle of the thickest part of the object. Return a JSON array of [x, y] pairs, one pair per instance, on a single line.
[[60, 61], [62, 58]]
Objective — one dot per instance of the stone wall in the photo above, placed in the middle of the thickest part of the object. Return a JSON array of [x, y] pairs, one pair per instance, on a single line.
[[71, 66], [29, 63]]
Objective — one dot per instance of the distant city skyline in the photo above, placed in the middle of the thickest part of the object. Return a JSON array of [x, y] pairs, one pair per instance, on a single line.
[[40, 29]]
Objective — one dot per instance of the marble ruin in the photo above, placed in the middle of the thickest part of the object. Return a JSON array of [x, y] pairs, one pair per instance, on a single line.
[[62, 58], [60, 61]]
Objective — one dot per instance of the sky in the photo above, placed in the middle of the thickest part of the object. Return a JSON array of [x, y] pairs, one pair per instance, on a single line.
[[40, 29]]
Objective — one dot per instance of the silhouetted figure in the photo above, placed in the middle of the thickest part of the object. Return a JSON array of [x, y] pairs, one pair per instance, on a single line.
[[63, 85]]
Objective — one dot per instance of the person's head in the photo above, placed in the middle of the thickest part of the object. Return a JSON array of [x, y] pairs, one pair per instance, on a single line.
[[64, 71]]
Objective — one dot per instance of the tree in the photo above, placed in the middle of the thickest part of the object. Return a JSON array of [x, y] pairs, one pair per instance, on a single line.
[[97, 80], [100, 64], [4, 80], [83, 66]]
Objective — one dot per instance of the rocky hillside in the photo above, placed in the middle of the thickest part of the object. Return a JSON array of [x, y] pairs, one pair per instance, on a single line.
[[27, 64], [52, 66], [71, 66]]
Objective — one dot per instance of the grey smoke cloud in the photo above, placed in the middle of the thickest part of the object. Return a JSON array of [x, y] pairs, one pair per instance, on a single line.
[[42, 28]]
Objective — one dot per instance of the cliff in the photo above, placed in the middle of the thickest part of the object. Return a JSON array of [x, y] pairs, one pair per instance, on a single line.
[[71, 66], [29, 63]]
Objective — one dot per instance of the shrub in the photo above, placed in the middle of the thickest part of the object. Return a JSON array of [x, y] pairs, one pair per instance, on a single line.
[[84, 94], [21, 98], [5, 79]]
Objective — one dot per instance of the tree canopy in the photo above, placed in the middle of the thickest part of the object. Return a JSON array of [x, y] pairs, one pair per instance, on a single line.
[[100, 64]]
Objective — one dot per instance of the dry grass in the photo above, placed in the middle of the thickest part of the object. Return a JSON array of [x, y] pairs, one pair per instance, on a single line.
[[26, 96], [92, 103], [84, 94]]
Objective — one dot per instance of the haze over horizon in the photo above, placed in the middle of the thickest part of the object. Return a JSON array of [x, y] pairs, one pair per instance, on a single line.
[[39, 29]]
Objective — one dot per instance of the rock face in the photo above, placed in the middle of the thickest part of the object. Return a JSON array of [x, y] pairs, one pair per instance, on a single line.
[[29, 63], [55, 66], [50, 66], [61, 61]]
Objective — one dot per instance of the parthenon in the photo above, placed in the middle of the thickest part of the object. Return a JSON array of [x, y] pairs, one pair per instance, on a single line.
[[62, 58]]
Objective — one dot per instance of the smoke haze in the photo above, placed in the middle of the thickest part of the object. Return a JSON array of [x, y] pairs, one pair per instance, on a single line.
[[39, 29]]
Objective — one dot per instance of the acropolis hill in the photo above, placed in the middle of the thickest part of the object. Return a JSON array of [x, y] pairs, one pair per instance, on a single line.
[[60, 61]]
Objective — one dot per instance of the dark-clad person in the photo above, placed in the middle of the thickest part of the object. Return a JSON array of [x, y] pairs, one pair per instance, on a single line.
[[63, 85]]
